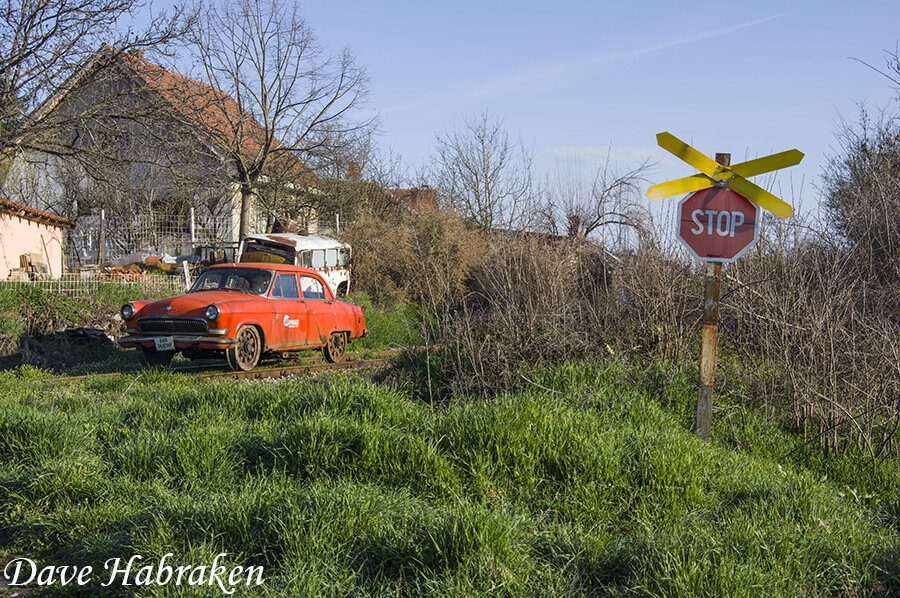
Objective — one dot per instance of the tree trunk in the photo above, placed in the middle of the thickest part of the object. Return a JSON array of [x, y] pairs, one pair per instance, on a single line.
[[244, 228]]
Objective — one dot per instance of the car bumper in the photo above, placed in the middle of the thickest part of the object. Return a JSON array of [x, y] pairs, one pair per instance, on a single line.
[[182, 341]]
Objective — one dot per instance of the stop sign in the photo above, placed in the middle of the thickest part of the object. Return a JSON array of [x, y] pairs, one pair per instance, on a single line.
[[717, 224]]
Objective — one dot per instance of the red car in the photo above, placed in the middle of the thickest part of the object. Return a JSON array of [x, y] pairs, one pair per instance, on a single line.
[[244, 311]]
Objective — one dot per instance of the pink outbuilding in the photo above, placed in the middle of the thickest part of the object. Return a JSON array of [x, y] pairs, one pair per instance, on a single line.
[[33, 233]]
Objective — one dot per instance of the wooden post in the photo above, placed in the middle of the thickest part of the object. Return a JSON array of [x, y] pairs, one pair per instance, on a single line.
[[709, 335], [187, 275], [193, 232], [102, 237]]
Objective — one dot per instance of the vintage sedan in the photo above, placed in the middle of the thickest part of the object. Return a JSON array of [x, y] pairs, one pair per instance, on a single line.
[[244, 311]]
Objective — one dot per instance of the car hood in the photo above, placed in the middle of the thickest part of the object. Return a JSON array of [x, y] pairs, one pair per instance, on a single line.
[[192, 304]]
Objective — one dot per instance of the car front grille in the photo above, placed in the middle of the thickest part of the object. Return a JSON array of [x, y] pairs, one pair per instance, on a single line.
[[162, 325]]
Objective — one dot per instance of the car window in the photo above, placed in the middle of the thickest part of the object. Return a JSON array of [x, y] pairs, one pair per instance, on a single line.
[[312, 288], [285, 287], [331, 258], [318, 258], [248, 280]]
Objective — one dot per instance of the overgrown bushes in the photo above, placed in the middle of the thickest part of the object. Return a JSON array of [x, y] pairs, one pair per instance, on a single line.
[[808, 329], [424, 255]]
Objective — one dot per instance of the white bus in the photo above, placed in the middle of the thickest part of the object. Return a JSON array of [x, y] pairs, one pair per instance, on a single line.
[[328, 256]]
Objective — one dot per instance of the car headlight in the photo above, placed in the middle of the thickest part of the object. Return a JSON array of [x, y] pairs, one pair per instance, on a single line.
[[212, 312], [127, 311]]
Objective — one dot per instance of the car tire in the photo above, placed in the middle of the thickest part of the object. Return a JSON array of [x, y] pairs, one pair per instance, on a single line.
[[245, 353], [151, 358], [335, 348]]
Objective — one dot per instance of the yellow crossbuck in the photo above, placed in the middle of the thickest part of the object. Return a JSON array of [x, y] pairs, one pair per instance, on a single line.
[[713, 173]]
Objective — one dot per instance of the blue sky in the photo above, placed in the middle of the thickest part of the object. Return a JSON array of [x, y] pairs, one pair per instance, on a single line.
[[576, 78]]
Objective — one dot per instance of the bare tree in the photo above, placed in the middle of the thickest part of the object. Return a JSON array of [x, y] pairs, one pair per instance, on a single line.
[[292, 99], [483, 175], [43, 43], [579, 203]]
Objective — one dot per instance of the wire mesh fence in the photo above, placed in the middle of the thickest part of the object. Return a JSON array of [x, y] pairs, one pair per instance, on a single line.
[[108, 238], [92, 285]]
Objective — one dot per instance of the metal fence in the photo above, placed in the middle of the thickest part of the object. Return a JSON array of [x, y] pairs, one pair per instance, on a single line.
[[87, 286], [106, 238]]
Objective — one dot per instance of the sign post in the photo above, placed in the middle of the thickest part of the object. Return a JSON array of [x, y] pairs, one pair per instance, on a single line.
[[709, 333], [717, 224]]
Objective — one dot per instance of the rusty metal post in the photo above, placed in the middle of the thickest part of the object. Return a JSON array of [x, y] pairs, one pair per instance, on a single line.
[[709, 335]]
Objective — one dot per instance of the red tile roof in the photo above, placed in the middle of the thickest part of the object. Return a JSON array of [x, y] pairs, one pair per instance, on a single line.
[[417, 197], [217, 115], [27, 212]]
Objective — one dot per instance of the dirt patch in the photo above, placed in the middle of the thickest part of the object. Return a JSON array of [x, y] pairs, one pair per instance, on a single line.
[[56, 340]]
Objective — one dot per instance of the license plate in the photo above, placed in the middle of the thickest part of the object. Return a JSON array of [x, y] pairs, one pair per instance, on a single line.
[[164, 343]]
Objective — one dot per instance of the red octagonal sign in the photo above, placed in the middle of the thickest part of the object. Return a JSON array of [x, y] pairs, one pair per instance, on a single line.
[[717, 224]]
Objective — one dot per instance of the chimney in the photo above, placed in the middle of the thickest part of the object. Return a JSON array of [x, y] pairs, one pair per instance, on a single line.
[[353, 171]]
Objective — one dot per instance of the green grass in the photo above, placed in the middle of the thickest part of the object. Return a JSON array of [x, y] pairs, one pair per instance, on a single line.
[[22, 305], [587, 484], [390, 325]]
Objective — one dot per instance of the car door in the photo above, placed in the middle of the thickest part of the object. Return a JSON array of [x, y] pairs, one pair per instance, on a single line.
[[321, 312], [289, 330]]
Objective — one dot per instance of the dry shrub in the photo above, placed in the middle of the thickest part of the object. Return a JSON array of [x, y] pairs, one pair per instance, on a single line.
[[532, 301], [424, 255], [827, 330], [660, 300]]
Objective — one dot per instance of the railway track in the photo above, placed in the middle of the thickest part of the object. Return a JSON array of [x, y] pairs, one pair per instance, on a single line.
[[307, 365]]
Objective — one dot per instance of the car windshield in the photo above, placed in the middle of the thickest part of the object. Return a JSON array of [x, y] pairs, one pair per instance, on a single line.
[[245, 280]]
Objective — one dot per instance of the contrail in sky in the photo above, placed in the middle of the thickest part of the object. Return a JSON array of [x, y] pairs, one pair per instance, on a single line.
[[548, 76]]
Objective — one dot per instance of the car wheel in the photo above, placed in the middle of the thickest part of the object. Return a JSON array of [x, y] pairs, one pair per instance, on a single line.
[[334, 350], [151, 358], [245, 353]]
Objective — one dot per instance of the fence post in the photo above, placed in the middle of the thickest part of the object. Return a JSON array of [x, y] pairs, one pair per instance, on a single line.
[[187, 276], [102, 237], [193, 232]]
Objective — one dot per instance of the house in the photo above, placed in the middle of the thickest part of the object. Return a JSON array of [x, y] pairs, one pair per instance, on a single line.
[[159, 152], [31, 237]]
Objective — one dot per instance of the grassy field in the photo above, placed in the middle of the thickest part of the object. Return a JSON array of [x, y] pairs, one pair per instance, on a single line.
[[588, 484]]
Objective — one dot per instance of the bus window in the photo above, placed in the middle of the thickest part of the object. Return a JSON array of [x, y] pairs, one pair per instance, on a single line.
[[331, 258], [305, 259], [344, 257], [318, 258]]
